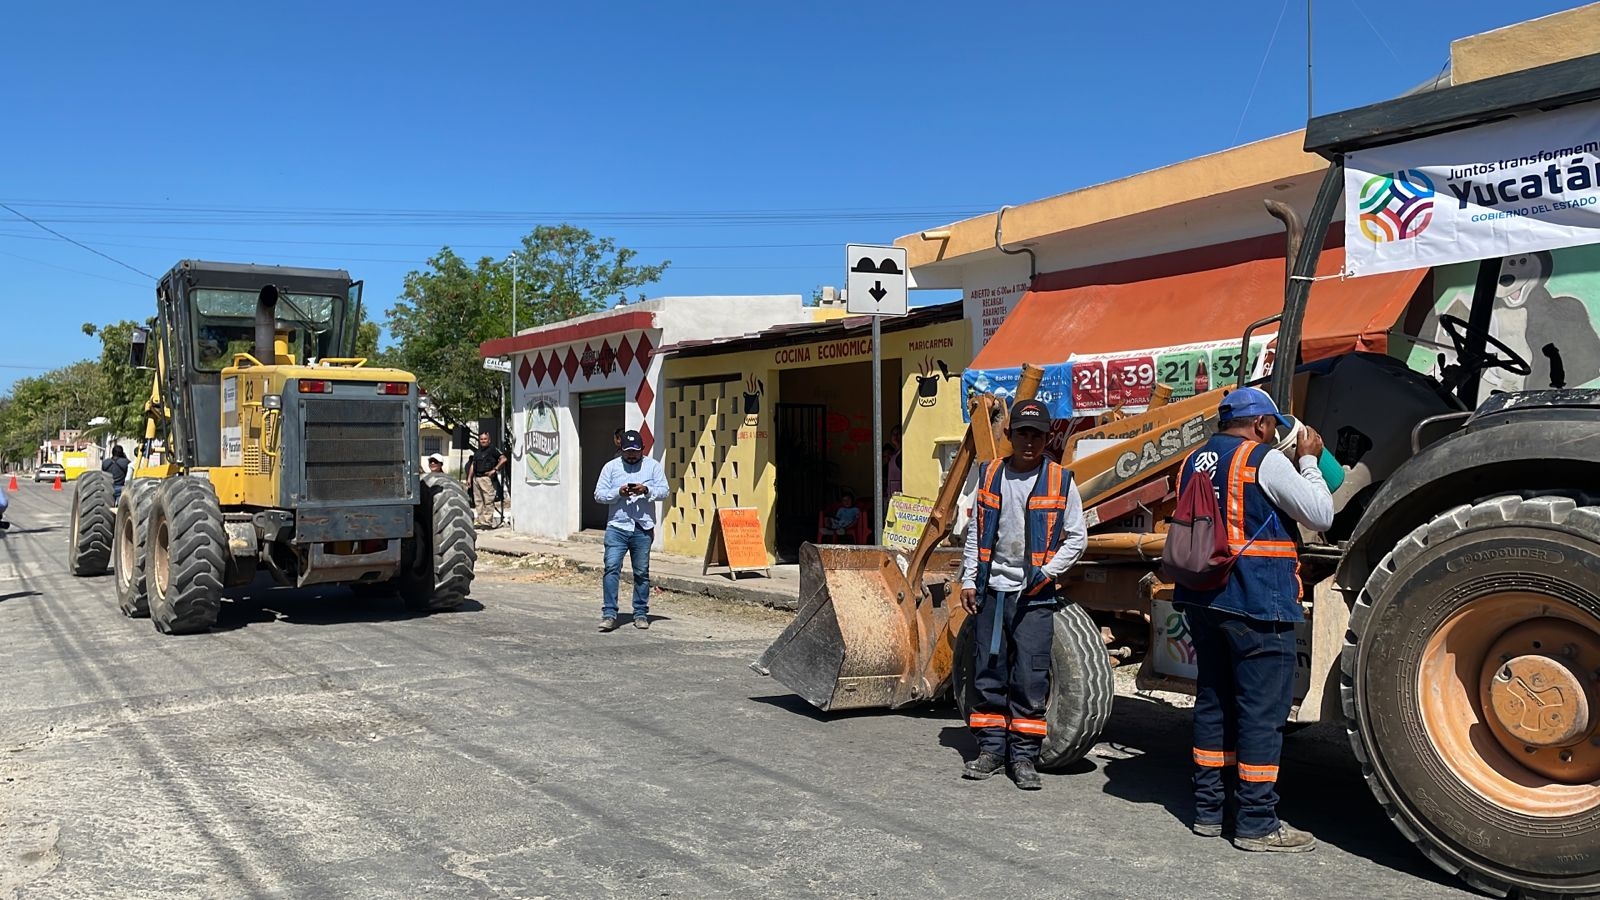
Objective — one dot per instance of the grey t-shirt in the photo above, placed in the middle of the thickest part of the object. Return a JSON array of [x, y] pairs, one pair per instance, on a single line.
[[1008, 564]]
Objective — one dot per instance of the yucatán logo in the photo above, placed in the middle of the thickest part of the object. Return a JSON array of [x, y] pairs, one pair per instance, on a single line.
[[1397, 206]]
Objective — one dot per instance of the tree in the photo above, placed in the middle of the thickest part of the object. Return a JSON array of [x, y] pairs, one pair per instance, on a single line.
[[40, 407], [446, 311], [124, 388]]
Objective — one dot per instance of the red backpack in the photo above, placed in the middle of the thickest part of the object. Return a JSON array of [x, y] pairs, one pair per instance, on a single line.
[[1196, 554]]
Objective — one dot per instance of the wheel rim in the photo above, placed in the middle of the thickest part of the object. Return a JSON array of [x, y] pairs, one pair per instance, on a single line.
[[125, 549], [159, 561], [1511, 702]]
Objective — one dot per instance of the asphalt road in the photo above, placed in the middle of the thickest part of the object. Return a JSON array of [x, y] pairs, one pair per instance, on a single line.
[[319, 746]]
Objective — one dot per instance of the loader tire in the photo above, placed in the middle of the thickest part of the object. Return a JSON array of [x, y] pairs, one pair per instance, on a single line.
[[1081, 686], [186, 557], [93, 519], [1474, 619], [438, 560], [128, 547]]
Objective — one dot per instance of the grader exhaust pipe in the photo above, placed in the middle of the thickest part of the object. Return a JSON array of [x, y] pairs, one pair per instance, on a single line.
[[870, 631], [266, 323]]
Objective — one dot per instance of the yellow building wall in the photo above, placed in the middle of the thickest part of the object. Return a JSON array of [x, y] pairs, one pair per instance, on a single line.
[[719, 454]]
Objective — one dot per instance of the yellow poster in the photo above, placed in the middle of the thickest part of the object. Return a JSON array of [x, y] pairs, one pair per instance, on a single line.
[[904, 520]]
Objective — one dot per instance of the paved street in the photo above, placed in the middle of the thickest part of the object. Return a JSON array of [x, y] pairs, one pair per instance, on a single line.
[[320, 746]]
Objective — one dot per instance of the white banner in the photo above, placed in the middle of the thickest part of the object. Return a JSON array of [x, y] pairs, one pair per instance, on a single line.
[[1526, 184]]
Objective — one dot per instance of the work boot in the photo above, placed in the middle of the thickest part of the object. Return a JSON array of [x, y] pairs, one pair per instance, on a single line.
[[1025, 775], [641, 621], [609, 623], [1284, 840], [983, 766]]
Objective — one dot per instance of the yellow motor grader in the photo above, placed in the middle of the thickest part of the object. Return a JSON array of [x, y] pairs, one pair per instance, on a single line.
[[268, 446], [1453, 610]]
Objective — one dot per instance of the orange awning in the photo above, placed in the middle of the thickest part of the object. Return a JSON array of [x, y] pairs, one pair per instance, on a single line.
[[1049, 326]]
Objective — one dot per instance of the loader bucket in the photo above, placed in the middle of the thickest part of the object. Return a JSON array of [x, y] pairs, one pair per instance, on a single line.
[[852, 640]]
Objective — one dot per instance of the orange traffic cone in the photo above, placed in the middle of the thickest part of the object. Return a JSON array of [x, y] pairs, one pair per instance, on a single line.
[[13, 485], [58, 484]]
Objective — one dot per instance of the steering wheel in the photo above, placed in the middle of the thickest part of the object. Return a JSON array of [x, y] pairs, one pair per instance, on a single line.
[[1477, 362]]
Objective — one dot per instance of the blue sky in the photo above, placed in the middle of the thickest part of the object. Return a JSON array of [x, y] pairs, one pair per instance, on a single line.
[[156, 132]]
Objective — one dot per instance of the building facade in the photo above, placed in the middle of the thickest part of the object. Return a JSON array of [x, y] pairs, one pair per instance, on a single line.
[[782, 422], [575, 383]]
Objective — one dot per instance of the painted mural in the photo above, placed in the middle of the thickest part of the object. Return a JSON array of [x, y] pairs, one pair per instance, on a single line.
[[1546, 309]]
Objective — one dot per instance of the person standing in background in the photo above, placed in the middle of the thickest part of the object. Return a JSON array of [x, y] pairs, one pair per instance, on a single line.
[[117, 464], [482, 469], [631, 485]]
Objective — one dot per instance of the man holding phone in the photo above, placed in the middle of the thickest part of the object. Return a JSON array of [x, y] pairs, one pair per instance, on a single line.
[[631, 485]]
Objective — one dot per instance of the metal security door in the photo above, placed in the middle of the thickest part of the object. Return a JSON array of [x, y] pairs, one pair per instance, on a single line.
[[803, 474]]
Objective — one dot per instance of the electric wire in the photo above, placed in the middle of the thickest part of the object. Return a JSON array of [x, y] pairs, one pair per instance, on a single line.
[[77, 243], [1257, 83]]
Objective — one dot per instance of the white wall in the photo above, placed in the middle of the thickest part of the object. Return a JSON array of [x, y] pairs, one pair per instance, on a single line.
[[555, 510]]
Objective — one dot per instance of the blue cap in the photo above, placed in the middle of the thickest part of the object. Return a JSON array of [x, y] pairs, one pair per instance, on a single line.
[[1248, 402], [631, 440]]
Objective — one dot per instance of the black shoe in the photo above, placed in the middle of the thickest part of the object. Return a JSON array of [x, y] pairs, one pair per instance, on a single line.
[[4, 524], [1025, 775], [641, 621], [609, 623], [983, 766]]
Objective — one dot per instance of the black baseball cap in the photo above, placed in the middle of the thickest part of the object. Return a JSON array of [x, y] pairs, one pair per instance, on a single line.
[[632, 441], [1031, 414]]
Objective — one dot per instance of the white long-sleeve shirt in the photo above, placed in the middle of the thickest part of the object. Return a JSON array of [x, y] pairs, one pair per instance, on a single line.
[[1008, 563], [1303, 495]]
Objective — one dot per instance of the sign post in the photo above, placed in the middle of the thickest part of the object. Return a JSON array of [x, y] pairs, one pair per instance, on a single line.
[[875, 285]]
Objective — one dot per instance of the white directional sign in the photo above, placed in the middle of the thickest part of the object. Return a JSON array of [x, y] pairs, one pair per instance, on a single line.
[[497, 364], [875, 278]]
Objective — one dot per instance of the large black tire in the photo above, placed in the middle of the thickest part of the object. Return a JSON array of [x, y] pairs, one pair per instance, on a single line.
[[439, 560], [89, 535], [1441, 583], [1081, 686], [128, 547], [186, 557]]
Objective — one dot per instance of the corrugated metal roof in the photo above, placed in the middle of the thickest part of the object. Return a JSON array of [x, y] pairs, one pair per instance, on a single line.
[[807, 332]]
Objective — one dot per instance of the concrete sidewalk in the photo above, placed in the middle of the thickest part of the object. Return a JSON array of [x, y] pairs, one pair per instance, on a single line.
[[667, 571]]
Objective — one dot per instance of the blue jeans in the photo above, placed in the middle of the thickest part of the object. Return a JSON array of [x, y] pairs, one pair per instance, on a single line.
[[635, 543], [1243, 692]]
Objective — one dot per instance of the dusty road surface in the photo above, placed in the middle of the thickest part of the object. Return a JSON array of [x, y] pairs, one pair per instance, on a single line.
[[316, 745]]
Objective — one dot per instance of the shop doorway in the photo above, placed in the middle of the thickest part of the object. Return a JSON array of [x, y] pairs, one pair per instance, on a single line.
[[800, 452], [600, 414]]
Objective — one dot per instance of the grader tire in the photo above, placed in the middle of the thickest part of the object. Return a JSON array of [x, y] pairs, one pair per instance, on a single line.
[[187, 554], [439, 559], [92, 521], [128, 547], [1474, 621], [1081, 686]]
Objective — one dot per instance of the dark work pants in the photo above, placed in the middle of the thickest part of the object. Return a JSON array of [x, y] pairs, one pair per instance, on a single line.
[[1242, 697], [1011, 674]]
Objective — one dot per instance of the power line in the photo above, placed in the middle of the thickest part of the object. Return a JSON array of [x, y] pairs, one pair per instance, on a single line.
[[40, 262], [1257, 83], [77, 243]]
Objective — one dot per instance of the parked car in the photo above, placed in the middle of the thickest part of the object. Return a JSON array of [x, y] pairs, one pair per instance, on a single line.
[[49, 472]]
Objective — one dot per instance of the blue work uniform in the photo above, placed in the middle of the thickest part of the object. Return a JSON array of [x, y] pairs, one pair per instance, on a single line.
[[1244, 640], [1012, 630]]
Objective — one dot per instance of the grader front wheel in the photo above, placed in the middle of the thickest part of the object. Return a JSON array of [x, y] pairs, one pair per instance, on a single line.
[[1472, 688], [89, 532], [128, 547], [187, 554]]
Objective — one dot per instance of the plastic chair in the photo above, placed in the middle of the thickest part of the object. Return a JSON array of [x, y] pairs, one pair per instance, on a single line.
[[859, 533]]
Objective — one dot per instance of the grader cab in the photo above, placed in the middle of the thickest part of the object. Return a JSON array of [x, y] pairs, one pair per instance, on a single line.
[[1453, 609], [268, 446]]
